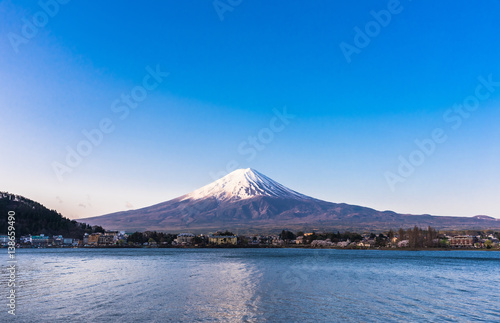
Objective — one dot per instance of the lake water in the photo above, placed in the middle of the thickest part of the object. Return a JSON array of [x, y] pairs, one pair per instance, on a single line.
[[253, 285]]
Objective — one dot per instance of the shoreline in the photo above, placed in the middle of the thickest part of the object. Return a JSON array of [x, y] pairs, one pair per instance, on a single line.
[[263, 247]]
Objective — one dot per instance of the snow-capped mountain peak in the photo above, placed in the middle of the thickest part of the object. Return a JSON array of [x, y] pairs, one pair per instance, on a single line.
[[243, 184]]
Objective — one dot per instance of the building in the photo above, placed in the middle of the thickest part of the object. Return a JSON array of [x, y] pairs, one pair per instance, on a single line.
[[108, 238], [185, 238], [121, 236], [493, 238], [364, 244], [462, 241], [85, 240], [218, 240], [94, 239], [4, 240], [299, 240], [58, 240], [40, 240], [67, 241]]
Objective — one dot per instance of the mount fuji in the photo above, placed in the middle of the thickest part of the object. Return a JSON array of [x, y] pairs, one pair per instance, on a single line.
[[244, 184], [248, 201]]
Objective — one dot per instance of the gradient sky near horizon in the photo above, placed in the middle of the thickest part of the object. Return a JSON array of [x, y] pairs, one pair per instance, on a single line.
[[352, 120]]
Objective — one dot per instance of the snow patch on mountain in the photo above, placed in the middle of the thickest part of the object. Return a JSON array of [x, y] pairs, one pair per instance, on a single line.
[[243, 184]]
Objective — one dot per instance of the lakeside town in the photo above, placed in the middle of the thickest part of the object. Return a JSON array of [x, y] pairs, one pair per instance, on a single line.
[[415, 238]]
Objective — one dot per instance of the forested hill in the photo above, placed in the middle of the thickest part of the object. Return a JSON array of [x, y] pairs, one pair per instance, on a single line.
[[34, 218]]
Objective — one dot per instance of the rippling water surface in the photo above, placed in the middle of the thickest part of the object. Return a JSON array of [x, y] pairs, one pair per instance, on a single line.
[[277, 285]]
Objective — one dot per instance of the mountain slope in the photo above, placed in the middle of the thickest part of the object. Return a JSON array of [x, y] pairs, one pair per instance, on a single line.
[[247, 200], [33, 218]]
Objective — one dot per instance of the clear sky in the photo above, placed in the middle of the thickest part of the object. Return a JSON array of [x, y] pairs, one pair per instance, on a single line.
[[325, 97]]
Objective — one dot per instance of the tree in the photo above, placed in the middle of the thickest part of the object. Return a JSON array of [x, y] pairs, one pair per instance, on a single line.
[[225, 233], [380, 240], [401, 234], [198, 240], [415, 238], [310, 238], [431, 235], [287, 235], [33, 218], [488, 244], [444, 243], [137, 237]]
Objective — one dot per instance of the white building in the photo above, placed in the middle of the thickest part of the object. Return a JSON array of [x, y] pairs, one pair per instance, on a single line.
[[186, 238]]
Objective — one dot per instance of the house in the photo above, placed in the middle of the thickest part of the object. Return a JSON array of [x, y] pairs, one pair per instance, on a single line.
[[58, 240], [4, 240], [185, 238], [67, 241], [462, 241], [299, 240], [93, 239], [218, 240], [107, 238], [121, 236], [364, 244], [276, 240], [253, 240], [493, 238], [24, 239], [40, 240]]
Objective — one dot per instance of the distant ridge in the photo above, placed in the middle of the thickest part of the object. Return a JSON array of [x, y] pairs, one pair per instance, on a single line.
[[249, 201], [483, 217]]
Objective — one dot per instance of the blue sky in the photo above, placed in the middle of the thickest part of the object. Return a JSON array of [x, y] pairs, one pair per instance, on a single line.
[[355, 117]]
